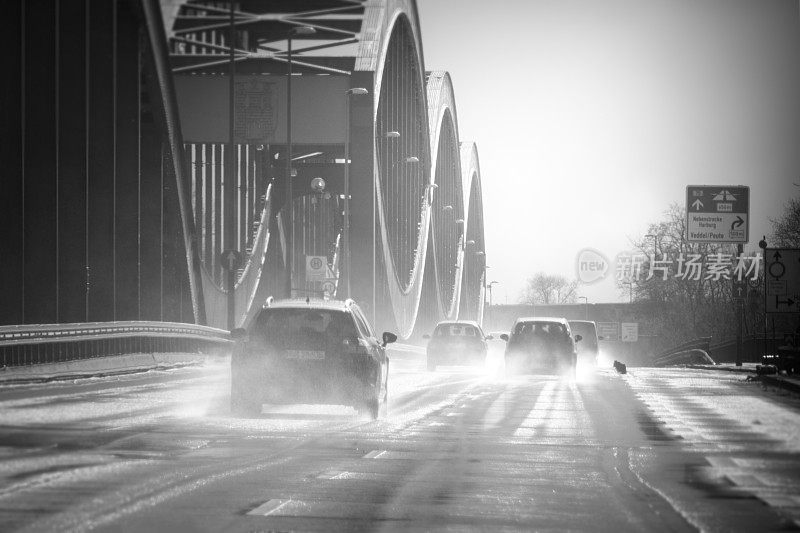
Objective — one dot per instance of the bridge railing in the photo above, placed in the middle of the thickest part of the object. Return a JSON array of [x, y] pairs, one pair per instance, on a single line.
[[684, 357], [51, 343]]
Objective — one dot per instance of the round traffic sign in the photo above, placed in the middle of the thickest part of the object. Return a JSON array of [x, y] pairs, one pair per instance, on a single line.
[[329, 287]]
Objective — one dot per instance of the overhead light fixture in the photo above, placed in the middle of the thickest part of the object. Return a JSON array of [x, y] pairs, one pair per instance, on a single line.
[[393, 134], [412, 159], [318, 184], [303, 30], [306, 156]]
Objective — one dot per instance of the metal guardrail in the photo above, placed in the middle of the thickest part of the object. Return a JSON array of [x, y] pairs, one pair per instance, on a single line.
[[685, 357], [702, 343], [51, 343]]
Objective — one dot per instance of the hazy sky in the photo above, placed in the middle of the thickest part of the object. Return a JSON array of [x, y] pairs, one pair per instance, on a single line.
[[592, 116]]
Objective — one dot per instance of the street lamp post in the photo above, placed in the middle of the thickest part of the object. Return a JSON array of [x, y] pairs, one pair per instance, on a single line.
[[489, 286], [298, 30], [346, 255]]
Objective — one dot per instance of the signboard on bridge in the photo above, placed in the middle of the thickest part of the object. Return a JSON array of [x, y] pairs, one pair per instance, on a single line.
[[609, 331], [717, 213], [316, 267], [629, 331], [782, 272], [328, 289]]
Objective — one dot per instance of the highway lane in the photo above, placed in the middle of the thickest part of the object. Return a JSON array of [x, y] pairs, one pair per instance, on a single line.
[[460, 448]]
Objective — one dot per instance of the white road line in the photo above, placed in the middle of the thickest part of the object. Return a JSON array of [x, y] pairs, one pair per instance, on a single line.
[[267, 508], [374, 454], [333, 474]]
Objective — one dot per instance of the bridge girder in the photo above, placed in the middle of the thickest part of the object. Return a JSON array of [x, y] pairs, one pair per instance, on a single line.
[[403, 139]]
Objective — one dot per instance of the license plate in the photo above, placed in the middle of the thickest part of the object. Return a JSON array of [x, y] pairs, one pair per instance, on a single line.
[[305, 355]]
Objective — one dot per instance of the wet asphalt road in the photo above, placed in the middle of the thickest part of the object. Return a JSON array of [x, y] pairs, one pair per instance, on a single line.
[[656, 450]]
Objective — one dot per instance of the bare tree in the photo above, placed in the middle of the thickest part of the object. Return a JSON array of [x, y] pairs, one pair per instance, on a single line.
[[545, 288], [786, 228], [677, 307]]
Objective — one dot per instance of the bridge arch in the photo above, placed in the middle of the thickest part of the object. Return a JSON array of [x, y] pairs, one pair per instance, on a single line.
[[474, 259], [447, 206], [402, 161]]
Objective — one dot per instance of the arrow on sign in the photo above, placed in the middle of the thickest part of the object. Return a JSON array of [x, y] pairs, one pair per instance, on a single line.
[[230, 258], [777, 255], [788, 302], [736, 223], [697, 204]]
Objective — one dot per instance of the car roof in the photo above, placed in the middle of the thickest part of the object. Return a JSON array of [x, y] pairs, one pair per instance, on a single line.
[[458, 323], [583, 322], [541, 319], [302, 303]]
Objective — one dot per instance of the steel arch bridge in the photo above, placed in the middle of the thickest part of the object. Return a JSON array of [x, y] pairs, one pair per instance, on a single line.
[[125, 186]]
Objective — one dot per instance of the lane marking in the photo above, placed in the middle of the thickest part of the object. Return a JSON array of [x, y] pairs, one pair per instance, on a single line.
[[333, 474], [374, 454], [267, 508]]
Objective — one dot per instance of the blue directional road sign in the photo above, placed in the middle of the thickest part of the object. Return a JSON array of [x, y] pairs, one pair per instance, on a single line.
[[717, 213]]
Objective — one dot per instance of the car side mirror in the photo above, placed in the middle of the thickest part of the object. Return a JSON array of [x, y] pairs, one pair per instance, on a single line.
[[504, 337], [239, 334], [578, 338], [489, 337], [388, 338], [426, 336]]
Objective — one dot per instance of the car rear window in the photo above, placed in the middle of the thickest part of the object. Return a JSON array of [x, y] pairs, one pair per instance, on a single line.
[[455, 330], [304, 327], [539, 328]]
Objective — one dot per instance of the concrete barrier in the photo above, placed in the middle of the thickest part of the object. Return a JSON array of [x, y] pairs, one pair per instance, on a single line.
[[98, 366]]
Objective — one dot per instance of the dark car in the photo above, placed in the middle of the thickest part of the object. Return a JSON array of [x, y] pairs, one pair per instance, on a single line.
[[310, 352], [541, 344], [588, 347], [456, 343]]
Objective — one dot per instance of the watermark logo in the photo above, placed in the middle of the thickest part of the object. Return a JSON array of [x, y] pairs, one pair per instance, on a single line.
[[592, 266]]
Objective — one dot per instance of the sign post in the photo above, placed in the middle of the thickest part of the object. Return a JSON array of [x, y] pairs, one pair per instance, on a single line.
[[629, 331], [609, 331], [316, 267], [720, 213], [782, 277]]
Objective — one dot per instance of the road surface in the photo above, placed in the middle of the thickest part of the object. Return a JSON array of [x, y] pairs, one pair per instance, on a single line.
[[460, 449]]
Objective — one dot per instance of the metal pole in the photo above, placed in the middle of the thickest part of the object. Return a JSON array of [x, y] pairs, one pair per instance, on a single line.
[[347, 196], [739, 314], [289, 192], [374, 249], [766, 316], [230, 227]]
